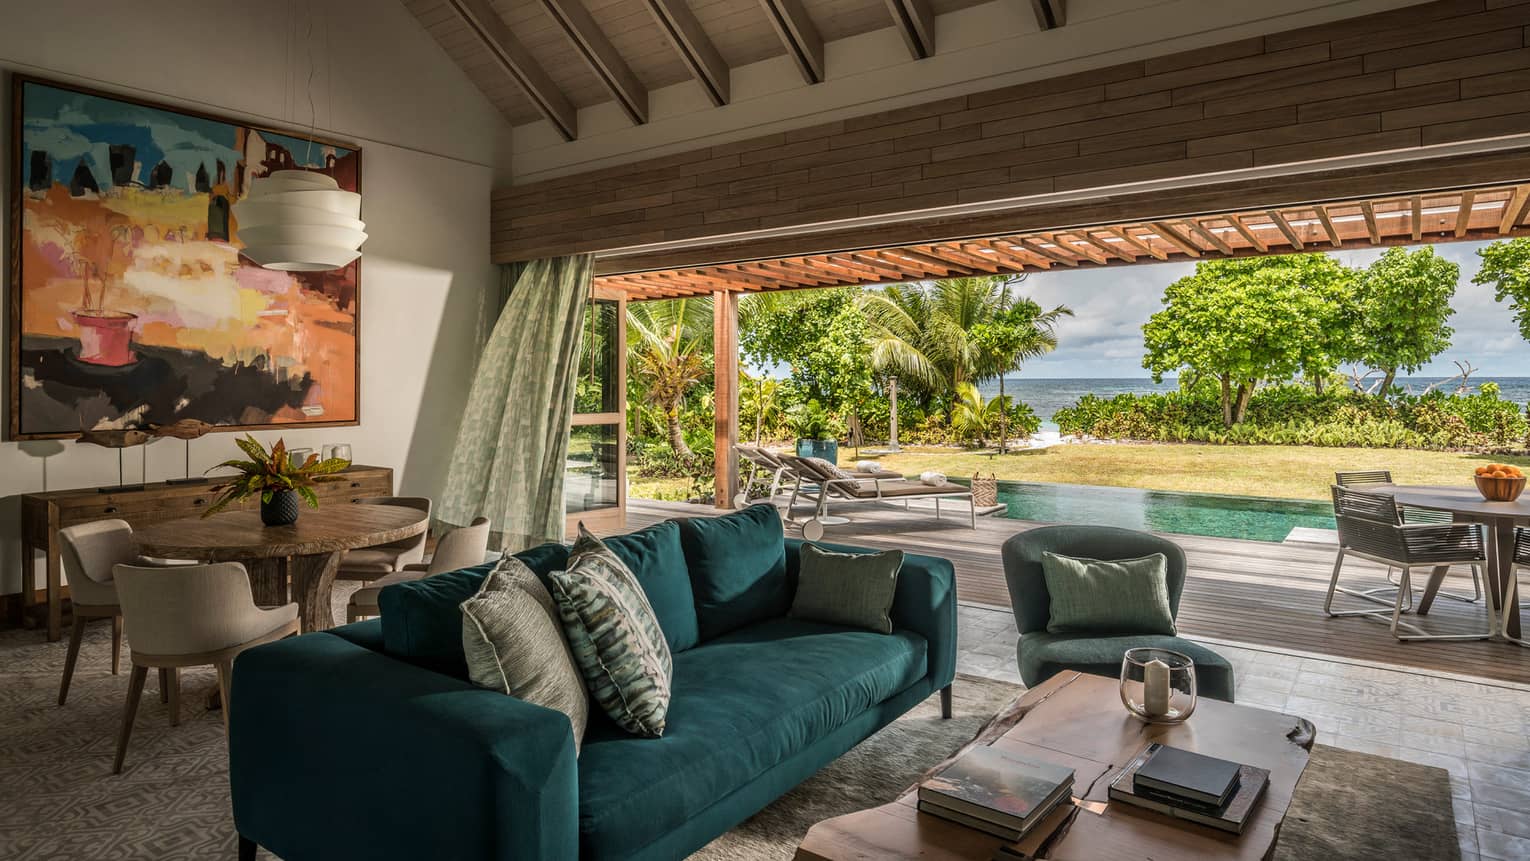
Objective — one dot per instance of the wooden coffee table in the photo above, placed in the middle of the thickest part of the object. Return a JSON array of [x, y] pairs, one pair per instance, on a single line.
[[1077, 720]]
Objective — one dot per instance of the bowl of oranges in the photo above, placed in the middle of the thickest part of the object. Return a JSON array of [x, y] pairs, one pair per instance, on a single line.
[[1500, 482]]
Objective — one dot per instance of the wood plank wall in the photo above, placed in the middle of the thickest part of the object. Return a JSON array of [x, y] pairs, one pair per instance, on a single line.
[[1446, 71]]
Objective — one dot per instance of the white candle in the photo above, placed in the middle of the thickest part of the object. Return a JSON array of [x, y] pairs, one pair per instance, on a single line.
[[1155, 688]]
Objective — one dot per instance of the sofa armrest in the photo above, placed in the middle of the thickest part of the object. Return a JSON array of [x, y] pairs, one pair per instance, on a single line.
[[337, 751], [925, 603]]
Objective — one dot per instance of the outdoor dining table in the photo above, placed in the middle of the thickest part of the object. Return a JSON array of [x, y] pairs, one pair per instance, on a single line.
[[305, 555], [1498, 518]]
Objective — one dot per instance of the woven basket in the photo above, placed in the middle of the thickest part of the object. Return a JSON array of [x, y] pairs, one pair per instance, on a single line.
[[985, 489]]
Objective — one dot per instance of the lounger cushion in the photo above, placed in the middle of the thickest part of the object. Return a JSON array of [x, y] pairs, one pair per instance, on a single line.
[[908, 488], [737, 564]]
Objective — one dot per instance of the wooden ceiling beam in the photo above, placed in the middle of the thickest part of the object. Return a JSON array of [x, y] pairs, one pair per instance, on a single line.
[[1146, 247], [1209, 236], [1372, 229], [517, 62], [1514, 209], [799, 35], [1036, 248], [1464, 214], [1050, 14], [590, 42], [1003, 263], [931, 264], [1013, 257], [695, 47], [1333, 232], [844, 264], [1082, 249], [1107, 247], [875, 264], [1247, 233], [959, 257], [1285, 229], [774, 269], [915, 22], [1169, 234]]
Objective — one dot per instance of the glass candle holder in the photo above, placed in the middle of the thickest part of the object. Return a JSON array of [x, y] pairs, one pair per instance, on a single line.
[[1158, 685], [297, 456]]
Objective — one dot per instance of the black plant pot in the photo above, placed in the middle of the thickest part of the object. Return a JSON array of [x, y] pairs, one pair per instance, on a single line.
[[282, 510]]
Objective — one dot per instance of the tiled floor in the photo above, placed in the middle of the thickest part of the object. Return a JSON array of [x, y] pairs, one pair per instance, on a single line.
[[1480, 733]]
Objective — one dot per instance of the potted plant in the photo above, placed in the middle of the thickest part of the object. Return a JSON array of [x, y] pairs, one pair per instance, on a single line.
[[815, 431], [277, 480]]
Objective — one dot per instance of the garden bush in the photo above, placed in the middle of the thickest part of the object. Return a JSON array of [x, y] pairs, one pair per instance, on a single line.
[[1296, 415]]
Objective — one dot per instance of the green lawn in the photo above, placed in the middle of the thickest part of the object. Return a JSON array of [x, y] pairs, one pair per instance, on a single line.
[[1292, 472]]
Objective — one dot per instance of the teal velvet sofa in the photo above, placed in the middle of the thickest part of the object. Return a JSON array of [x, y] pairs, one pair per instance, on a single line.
[[368, 742]]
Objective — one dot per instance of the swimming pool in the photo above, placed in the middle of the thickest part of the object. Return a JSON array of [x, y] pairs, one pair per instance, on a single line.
[[1253, 517]]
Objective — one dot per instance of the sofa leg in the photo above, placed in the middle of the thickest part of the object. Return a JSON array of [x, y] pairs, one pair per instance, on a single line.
[[246, 848], [945, 702]]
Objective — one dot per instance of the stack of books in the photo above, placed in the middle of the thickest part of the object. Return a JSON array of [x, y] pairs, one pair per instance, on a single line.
[[1191, 786], [997, 792]]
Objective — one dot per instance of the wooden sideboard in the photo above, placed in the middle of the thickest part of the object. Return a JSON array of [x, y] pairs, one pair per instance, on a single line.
[[44, 514]]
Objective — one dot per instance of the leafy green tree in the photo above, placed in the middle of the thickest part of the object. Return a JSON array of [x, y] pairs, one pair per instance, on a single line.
[[1251, 319], [1506, 267], [1013, 336], [819, 335], [670, 350], [1403, 304]]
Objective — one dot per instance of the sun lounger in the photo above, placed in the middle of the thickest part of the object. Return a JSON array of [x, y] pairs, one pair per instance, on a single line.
[[783, 477], [821, 484]]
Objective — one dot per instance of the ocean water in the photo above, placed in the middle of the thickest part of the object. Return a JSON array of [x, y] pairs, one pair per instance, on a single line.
[[1046, 397]]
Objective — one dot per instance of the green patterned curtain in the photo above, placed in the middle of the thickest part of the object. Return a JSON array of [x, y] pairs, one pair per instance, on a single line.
[[509, 460]]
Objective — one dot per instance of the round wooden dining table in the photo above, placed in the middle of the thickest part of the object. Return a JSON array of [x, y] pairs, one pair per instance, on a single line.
[[1499, 519], [296, 562]]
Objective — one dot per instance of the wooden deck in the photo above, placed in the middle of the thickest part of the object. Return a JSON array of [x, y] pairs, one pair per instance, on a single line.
[[1252, 592]]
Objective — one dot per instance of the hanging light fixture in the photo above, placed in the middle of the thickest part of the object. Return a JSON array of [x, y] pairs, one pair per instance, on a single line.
[[301, 220]]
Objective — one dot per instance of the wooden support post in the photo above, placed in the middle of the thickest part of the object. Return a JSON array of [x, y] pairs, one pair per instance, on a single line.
[[725, 395]]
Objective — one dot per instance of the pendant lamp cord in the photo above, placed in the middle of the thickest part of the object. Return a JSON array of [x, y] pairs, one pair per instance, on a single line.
[[313, 115]]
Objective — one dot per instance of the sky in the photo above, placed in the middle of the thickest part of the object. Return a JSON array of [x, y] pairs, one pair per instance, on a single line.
[[1110, 304]]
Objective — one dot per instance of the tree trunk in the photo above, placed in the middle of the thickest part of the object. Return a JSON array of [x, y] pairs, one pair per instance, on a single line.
[[676, 437], [1386, 383], [1245, 391], [892, 413], [1003, 419], [1227, 413], [1317, 384]]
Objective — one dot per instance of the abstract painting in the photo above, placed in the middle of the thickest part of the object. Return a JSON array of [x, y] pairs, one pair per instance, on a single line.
[[130, 303]]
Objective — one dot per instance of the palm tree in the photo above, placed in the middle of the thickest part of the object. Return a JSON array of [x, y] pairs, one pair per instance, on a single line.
[[937, 335], [669, 343], [971, 416]]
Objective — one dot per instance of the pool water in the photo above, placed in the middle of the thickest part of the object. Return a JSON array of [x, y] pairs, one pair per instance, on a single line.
[[1252, 517]]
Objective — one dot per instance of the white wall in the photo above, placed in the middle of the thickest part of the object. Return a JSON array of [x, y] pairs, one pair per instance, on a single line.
[[430, 143], [980, 48]]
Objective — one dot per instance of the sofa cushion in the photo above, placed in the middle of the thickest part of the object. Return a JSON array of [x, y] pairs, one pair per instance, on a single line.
[[740, 704], [1044, 655], [737, 564], [421, 619], [851, 589], [655, 556]]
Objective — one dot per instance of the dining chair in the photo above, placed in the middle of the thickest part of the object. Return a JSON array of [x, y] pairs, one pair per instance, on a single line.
[[461, 548], [1371, 527], [90, 551], [1407, 514], [370, 563], [190, 616], [1510, 607]]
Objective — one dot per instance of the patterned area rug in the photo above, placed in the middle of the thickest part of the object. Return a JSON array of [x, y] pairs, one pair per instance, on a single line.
[[171, 802]]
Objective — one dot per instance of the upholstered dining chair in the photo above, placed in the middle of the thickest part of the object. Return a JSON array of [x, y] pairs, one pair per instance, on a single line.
[[90, 552], [461, 548], [190, 616], [370, 563], [1043, 654]]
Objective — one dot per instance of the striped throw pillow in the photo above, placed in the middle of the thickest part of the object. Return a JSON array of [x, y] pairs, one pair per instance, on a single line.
[[614, 636]]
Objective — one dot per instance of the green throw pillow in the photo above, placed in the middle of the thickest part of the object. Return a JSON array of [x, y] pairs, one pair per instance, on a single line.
[[851, 589], [614, 636], [1123, 596]]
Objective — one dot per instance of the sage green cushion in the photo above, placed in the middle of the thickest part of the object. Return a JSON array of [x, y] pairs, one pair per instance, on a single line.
[[738, 568], [1124, 596], [655, 556], [1044, 655], [614, 636], [742, 703], [514, 644], [851, 589]]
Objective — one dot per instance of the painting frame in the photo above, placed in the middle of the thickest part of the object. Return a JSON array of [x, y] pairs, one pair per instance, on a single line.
[[15, 274]]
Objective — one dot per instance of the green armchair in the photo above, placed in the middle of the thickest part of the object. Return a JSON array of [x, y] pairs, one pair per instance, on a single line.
[[1043, 655]]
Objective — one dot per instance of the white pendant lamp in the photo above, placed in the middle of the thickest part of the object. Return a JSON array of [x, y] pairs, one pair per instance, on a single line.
[[300, 221]]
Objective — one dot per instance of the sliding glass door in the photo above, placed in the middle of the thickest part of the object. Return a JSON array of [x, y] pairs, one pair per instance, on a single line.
[[595, 474]]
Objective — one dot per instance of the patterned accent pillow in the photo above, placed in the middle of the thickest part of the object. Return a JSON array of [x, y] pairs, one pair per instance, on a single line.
[[614, 636], [514, 644], [831, 469]]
